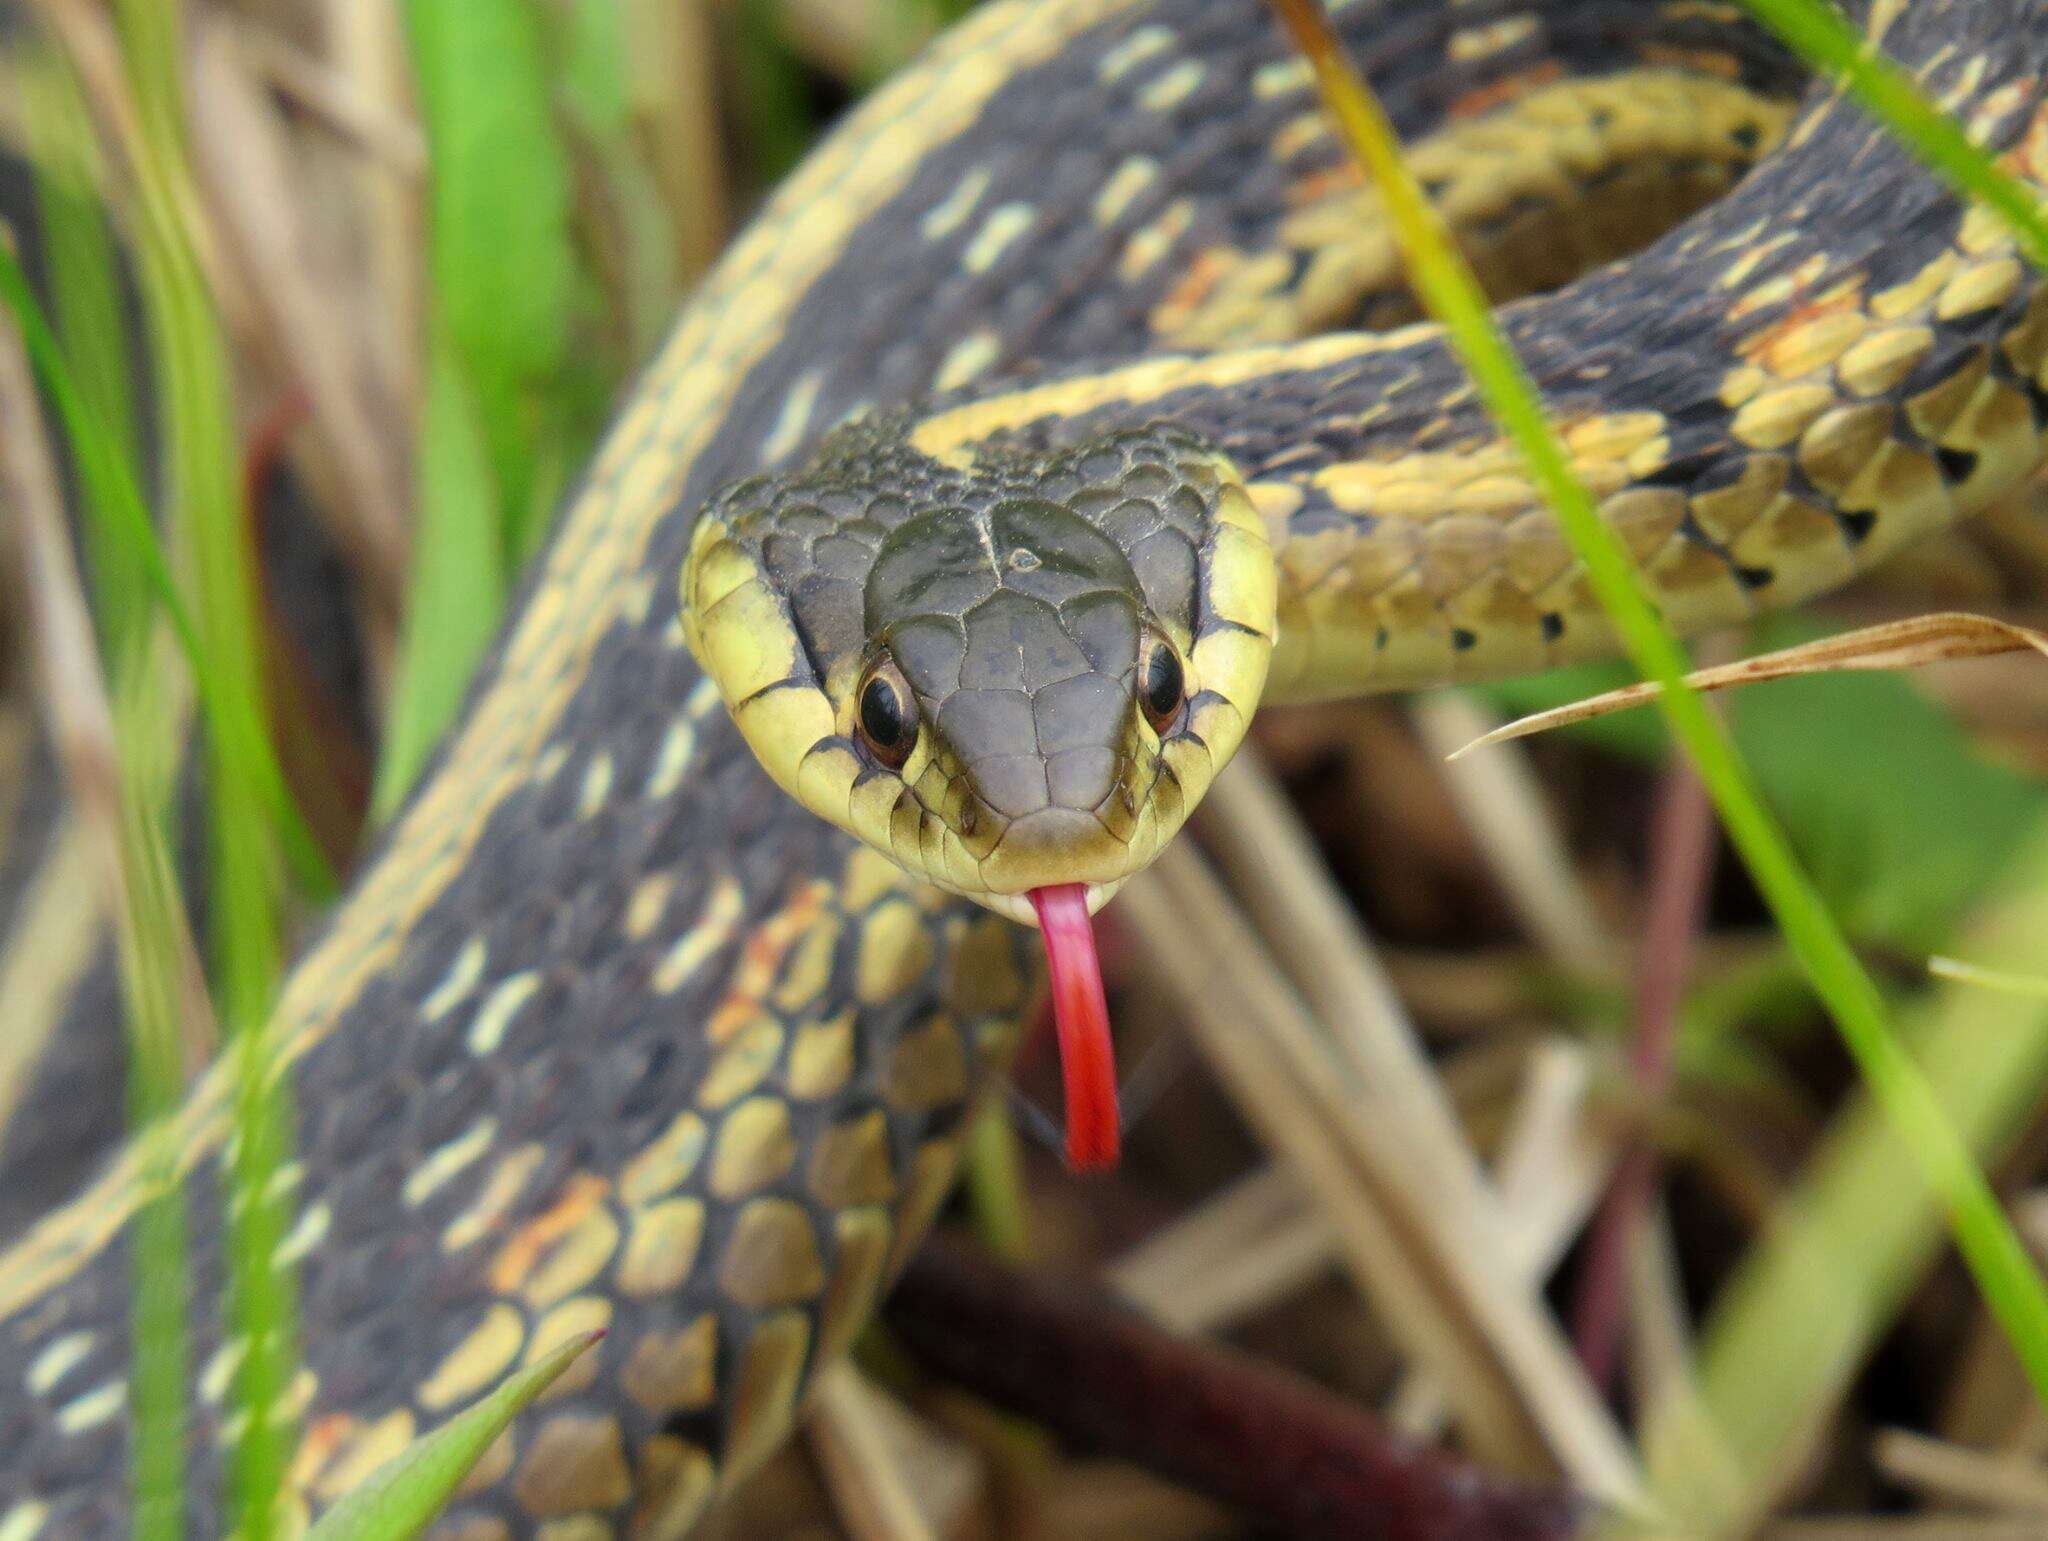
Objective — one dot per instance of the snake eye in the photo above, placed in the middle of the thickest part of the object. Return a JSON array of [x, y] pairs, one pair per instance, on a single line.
[[887, 718], [1162, 684]]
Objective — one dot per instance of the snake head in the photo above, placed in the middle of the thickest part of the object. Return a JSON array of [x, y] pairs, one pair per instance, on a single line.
[[1006, 669]]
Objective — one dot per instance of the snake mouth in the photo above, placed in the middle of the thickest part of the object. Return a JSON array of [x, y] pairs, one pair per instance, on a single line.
[[1023, 907], [1081, 1018]]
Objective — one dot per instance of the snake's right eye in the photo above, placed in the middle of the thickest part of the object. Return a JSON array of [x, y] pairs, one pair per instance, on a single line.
[[886, 716]]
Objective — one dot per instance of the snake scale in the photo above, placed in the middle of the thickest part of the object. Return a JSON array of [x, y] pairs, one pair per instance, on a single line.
[[610, 1032]]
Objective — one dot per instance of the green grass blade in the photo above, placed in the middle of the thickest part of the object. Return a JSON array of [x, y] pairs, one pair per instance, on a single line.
[[400, 1499], [458, 578], [208, 512], [152, 952], [1827, 42], [108, 481], [119, 783], [1853, 1239], [511, 405], [995, 1183], [501, 249], [85, 291], [161, 1354], [2004, 1273]]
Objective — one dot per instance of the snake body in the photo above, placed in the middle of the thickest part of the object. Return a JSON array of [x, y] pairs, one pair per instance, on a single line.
[[613, 1033]]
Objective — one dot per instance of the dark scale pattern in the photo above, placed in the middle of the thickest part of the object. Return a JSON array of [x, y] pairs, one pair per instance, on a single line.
[[1660, 333], [630, 943], [1058, 294]]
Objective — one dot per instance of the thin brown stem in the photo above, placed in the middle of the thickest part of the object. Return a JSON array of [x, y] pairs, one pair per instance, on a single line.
[[1681, 865]]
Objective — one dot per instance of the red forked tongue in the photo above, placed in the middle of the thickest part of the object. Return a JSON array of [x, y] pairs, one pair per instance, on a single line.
[[1081, 1015]]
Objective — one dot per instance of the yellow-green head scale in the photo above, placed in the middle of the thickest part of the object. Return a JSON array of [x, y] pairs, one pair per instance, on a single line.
[[1016, 670]]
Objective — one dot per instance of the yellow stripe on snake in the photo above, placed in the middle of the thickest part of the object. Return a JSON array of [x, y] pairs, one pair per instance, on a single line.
[[613, 1033]]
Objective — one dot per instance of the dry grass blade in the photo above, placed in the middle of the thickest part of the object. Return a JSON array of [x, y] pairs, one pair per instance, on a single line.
[[1432, 1268], [1660, 1326], [1945, 637], [1502, 803], [1551, 1166], [56, 932], [1284, 886], [338, 100], [1930, 1527], [676, 95], [1974, 1478], [1255, 1243], [244, 164], [369, 55], [874, 1494], [1550, 1174], [1262, 846]]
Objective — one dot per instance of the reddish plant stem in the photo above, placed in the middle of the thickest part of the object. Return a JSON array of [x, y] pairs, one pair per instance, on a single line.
[[1682, 843], [1304, 1462]]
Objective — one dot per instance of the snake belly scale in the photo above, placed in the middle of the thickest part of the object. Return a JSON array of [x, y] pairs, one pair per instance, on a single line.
[[612, 1032]]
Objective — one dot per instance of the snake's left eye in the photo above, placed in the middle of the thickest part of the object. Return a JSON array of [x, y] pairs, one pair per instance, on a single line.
[[1162, 683], [885, 714]]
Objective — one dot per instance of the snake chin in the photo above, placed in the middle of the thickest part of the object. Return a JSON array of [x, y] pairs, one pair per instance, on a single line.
[[1008, 669]]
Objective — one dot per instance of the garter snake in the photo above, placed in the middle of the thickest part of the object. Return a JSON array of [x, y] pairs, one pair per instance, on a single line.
[[613, 1033]]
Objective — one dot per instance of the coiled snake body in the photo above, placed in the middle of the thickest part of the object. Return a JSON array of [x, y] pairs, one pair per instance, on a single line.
[[613, 1033]]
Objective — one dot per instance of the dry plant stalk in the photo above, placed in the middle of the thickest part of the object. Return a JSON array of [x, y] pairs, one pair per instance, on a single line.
[[873, 1494], [55, 937], [369, 55], [1974, 1478], [1940, 1526], [1280, 879], [337, 100], [1550, 1173], [1420, 1247], [244, 161], [1660, 1326], [1945, 637], [675, 92], [1470, 1309], [1506, 810], [1251, 1245]]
